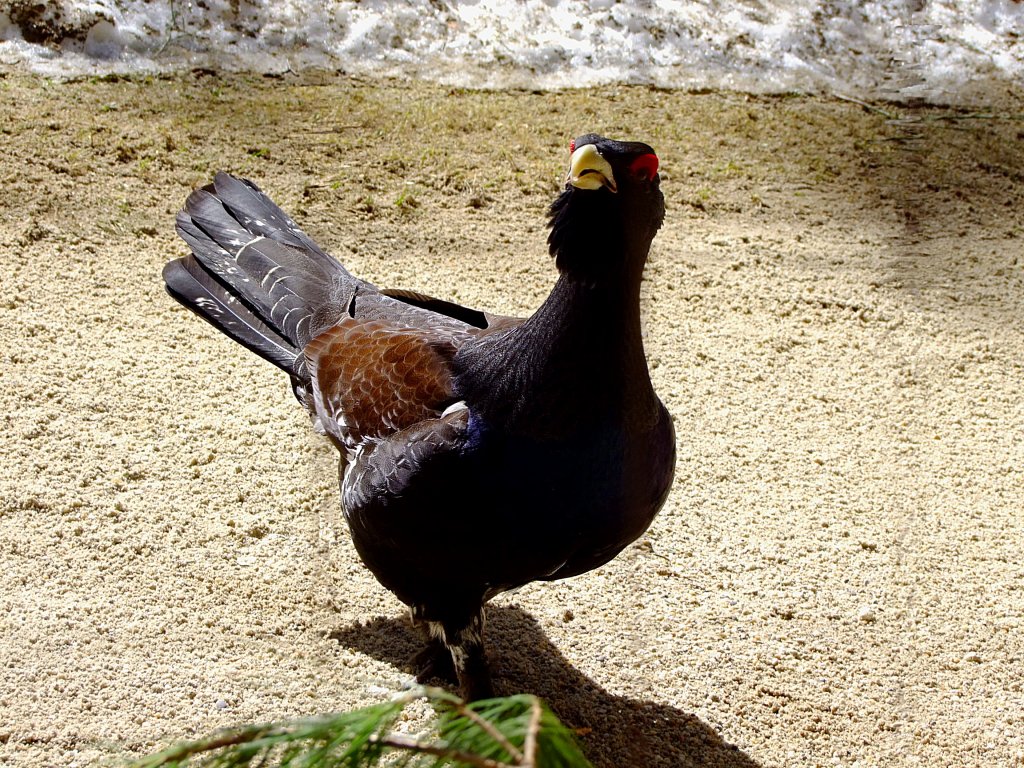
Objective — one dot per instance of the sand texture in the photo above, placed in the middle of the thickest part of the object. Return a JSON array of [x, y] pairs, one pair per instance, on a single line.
[[834, 315]]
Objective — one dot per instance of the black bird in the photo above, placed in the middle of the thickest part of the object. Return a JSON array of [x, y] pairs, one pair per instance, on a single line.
[[478, 452]]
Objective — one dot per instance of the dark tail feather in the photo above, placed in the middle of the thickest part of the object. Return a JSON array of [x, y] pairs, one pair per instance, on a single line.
[[190, 284], [262, 263], [261, 216]]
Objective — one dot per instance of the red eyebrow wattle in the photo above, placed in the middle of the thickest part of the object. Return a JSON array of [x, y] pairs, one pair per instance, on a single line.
[[645, 166]]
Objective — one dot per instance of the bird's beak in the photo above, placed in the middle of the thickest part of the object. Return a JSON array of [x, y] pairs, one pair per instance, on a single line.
[[588, 170]]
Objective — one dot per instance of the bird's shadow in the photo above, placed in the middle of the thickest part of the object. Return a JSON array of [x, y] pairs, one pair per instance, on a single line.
[[614, 730]]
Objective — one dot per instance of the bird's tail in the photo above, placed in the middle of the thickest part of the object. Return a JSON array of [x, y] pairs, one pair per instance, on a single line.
[[254, 275]]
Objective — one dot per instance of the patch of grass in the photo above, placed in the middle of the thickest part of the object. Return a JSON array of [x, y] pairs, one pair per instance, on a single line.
[[406, 201]]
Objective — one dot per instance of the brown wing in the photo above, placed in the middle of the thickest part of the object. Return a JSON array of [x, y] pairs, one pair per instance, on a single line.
[[373, 378]]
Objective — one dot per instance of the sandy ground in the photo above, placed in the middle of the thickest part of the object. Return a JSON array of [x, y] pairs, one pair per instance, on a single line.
[[835, 317]]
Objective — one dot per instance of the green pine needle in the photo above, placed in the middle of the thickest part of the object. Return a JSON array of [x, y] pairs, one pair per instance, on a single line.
[[512, 732]]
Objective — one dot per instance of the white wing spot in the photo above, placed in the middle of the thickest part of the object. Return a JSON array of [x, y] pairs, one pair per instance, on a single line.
[[455, 408]]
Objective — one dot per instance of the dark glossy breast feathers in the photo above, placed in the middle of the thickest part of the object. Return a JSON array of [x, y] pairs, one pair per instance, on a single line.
[[471, 511]]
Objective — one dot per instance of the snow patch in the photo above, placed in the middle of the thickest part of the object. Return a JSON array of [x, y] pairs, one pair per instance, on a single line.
[[887, 48]]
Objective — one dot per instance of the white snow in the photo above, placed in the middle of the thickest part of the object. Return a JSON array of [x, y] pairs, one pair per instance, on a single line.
[[889, 48]]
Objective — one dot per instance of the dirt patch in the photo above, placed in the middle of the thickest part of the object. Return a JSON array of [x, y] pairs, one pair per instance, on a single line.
[[834, 317]]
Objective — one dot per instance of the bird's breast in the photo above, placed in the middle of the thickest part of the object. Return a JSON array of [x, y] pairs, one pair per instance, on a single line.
[[607, 477]]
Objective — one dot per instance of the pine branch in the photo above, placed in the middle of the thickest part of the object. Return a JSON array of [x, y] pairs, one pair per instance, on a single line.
[[464, 711], [399, 741], [183, 752], [513, 732], [530, 745]]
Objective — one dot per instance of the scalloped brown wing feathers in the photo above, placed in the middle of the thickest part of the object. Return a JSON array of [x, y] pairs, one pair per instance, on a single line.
[[373, 378]]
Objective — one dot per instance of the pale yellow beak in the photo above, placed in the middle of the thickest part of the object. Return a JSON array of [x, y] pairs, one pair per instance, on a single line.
[[588, 170]]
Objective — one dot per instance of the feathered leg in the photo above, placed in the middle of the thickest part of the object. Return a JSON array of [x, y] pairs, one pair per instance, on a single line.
[[434, 661], [465, 643]]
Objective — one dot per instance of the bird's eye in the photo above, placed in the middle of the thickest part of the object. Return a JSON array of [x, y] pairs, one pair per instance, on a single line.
[[572, 146], [644, 167]]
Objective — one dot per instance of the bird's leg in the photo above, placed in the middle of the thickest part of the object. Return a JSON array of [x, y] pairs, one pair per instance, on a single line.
[[434, 661], [465, 643]]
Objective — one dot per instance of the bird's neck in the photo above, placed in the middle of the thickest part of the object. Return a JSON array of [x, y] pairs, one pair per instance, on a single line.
[[588, 323], [591, 318], [578, 359]]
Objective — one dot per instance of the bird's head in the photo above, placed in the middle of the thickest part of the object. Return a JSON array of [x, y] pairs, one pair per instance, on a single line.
[[610, 210]]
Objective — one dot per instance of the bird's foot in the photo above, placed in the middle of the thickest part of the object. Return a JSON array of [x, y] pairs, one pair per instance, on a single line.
[[466, 646], [434, 662], [455, 654]]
